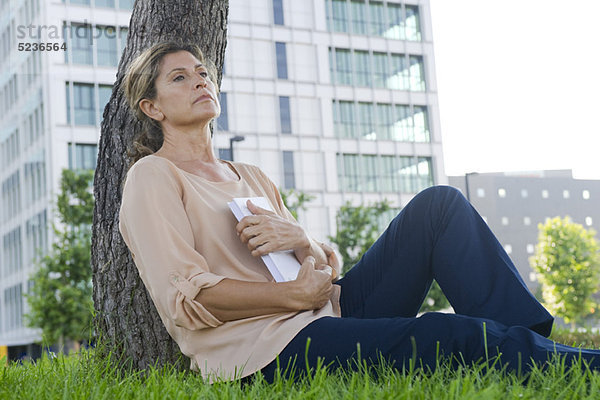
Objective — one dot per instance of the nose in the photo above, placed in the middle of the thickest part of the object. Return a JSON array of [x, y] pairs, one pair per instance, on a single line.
[[201, 82]]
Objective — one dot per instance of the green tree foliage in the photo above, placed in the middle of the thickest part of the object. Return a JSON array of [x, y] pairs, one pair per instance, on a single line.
[[295, 200], [567, 261], [60, 301], [357, 230], [435, 300]]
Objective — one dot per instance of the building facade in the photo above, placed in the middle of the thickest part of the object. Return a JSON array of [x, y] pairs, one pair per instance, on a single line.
[[336, 98], [513, 204]]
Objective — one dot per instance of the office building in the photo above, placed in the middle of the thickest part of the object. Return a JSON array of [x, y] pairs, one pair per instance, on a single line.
[[513, 204], [336, 98]]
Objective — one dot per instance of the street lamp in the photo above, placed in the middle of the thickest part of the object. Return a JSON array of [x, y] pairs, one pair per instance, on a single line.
[[231, 140], [467, 192]]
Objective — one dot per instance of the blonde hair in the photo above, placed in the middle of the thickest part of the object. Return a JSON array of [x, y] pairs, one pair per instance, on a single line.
[[140, 83]]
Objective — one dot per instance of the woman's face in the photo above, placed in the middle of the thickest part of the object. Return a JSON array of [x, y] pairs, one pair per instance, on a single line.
[[185, 95]]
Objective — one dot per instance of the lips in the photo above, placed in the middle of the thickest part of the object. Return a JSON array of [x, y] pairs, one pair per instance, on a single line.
[[202, 98]]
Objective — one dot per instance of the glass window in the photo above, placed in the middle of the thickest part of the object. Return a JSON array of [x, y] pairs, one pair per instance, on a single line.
[[13, 251], [385, 121], [504, 220], [530, 249], [348, 172], [104, 3], [366, 124], [408, 175], [289, 178], [222, 120], [403, 124], [84, 107], [480, 192], [281, 55], [526, 221], [106, 43], [343, 66], [566, 194], [81, 44], [382, 71], [343, 119], [394, 17], [284, 114], [370, 177], [126, 4], [524, 193], [508, 248], [377, 18], [68, 94], [545, 194], [362, 68], [417, 73], [104, 93], [278, 12], [359, 17], [338, 20], [389, 179], [502, 192], [399, 77], [122, 39], [81, 2], [585, 194], [588, 221], [83, 156], [370, 173], [413, 24], [424, 173], [421, 124]]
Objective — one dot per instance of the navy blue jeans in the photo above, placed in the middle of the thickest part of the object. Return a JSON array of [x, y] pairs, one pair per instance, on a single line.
[[440, 236]]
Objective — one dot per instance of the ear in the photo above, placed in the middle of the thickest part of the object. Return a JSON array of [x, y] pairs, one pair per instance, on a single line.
[[149, 108]]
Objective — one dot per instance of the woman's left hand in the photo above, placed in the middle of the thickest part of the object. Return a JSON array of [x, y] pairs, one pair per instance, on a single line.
[[266, 232]]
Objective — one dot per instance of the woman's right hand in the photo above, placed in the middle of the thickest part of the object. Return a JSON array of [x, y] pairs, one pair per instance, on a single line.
[[312, 287]]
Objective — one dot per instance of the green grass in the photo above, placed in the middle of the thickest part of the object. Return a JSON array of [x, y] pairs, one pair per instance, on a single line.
[[86, 376], [82, 376]]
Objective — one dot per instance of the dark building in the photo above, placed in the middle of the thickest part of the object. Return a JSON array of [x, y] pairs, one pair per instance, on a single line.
[[513, 204]]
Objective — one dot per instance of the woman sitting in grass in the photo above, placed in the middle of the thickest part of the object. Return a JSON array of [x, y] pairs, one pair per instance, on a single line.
[[219, 302]]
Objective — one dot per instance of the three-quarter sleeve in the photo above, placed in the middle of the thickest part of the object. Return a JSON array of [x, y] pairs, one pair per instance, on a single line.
[[157, 231]]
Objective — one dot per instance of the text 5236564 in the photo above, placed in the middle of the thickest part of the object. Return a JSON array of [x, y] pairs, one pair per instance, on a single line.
[[28, 46]]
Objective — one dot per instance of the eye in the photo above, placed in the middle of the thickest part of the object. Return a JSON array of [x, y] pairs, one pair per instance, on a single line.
[[204, 74], [177, 78]]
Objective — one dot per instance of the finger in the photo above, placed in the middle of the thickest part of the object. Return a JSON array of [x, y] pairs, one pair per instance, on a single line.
[[249, 232], [254, 209], [262, 250], [310, 260], [257, 241], [328, 270], [246, 222], [325, 268], [327, 248]]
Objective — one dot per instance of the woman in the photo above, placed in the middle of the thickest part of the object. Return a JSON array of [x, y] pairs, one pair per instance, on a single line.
[[219, 303]]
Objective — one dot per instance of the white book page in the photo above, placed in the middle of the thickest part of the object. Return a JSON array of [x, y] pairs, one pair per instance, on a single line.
[[283, 265]]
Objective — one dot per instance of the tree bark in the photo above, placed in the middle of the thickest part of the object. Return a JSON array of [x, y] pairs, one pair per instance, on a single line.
[[126, 321]]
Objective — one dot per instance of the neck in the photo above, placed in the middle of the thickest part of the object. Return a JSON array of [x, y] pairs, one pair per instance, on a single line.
[[188, 144]]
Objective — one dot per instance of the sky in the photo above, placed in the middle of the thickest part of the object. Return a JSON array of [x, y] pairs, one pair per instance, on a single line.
[[518, 84]]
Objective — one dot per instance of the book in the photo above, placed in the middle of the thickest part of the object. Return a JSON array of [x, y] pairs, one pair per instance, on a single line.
[[282, 265]]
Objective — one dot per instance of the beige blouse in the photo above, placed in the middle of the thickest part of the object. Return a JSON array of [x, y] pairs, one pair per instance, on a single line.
[[182, 237]]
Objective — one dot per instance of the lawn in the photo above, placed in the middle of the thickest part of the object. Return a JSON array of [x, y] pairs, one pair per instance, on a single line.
[[85, 376]]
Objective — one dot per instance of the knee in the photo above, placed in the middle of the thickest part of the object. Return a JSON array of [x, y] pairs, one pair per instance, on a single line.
[[441, 190], [441, 194]]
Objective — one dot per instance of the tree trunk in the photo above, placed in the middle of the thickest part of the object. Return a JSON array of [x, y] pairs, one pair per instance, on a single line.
[[126, 321]]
